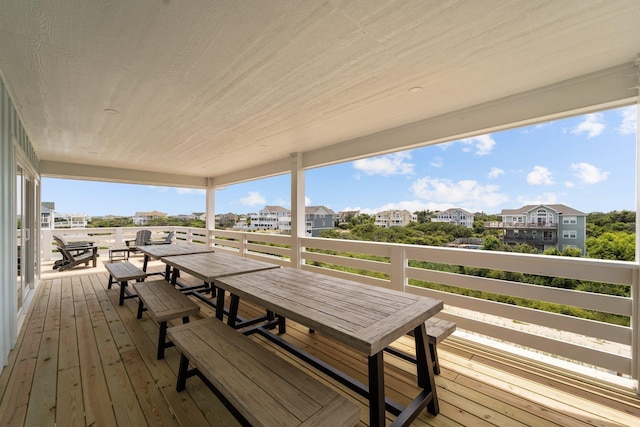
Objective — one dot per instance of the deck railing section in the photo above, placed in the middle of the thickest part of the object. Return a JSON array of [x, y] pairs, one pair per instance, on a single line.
[[417, 269]]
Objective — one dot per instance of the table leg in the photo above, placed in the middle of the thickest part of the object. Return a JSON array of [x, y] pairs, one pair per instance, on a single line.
[[220, 304], [167, 272], [376, 390], [145, 262]]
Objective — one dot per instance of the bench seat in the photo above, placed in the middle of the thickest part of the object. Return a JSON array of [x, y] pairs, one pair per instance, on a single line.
[[164, 302], [258, 387], [437, 331], [122, 272]]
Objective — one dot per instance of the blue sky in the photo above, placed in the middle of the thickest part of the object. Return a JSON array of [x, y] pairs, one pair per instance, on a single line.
[[586, 162]]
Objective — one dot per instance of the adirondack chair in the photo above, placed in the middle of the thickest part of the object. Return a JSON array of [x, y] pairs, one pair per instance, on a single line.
[[166, 241], [142, 237], [75, 254]]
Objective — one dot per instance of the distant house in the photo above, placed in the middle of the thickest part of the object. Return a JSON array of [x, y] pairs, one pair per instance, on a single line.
[[144, 218], [543, 226], [47, 212], [455, 216], [227, 220], [394, 218], [345, 216], [50, 219], [268, 218], [318, 219]]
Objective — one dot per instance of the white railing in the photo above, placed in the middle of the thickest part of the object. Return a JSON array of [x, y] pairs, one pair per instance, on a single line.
[[404, 267], [106, 238], [596, 343]]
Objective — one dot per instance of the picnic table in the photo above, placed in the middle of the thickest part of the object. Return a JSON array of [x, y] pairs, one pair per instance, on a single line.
[[160, 251], [210, 266], [363, 317]]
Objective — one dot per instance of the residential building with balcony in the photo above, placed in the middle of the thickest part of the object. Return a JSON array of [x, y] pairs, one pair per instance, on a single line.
[[394, 218], [455, 216], [269, 218], [47, 212], [144, 218], [543, 227], [50, 219]]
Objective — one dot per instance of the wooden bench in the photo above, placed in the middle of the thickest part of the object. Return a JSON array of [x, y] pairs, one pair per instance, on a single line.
[[164, 302], [122, 272], [437, 331], [258, 387]]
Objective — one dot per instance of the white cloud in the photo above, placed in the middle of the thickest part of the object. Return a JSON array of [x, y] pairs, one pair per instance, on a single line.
[[391, 164], [495, 172], [190, 191], [540, 176], [593, 125], [437, 162], [482, 144], [465, 193], [253, 199], [588, 173], [569, 184], [307, 201], [158, 189], [629, 120]]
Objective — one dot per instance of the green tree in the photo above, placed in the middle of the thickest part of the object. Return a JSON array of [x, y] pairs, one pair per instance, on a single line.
[[612, 245]]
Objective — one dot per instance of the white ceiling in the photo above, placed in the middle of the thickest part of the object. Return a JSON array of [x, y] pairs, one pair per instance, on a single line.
[[206, 88]]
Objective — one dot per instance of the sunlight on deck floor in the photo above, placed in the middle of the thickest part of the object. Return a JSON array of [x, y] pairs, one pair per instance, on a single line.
[[83, 360]]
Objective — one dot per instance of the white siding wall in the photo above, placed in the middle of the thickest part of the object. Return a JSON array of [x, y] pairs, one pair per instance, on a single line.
[[10, 130]]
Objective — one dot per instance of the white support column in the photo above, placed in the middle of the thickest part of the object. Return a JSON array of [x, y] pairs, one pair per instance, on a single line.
[[635, 288], [210, 209], [298, 223]]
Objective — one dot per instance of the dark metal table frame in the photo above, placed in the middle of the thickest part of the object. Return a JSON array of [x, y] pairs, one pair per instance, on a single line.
[[375, 391]]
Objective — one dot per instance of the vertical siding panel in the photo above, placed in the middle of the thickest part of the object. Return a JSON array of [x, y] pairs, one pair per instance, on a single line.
[[10, 125], [7, 283]]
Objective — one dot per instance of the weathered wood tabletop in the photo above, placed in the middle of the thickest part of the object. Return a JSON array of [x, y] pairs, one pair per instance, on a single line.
[[159, 251], [363, 317], [212, 265]]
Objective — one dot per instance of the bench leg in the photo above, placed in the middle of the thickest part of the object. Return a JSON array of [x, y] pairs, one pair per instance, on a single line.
[[425, 367], [434, 359], [183, 369], [140, 308], [162, 337], [282, 324]]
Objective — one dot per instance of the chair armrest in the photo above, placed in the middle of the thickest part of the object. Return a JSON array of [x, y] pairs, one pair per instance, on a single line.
[[156, 242], [79, 245]]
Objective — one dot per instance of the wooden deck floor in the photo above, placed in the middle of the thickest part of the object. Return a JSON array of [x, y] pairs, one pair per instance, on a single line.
[[83, 360]]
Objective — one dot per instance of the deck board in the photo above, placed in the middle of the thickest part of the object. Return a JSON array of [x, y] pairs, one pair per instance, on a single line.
[[81, 359]]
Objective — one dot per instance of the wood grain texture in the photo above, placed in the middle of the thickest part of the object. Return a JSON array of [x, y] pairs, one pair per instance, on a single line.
[[265, 389], [364, 317], [478, 384]]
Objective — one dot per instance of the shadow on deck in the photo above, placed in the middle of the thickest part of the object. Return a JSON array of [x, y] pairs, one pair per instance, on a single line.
[[81, 359]]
